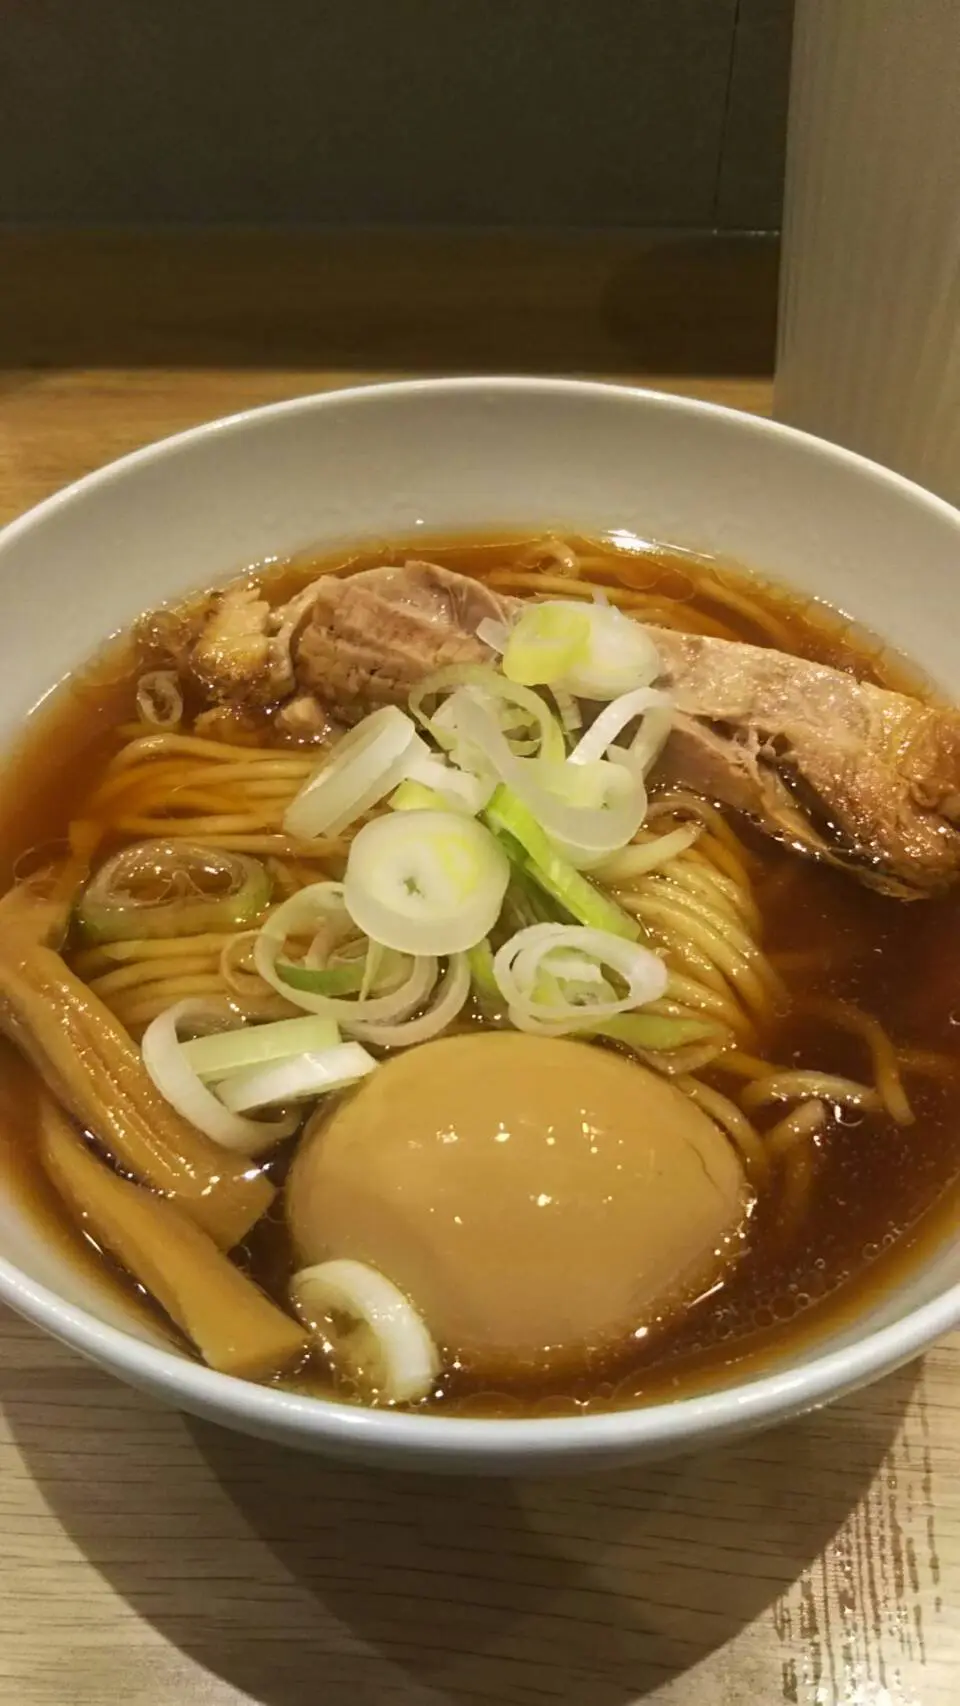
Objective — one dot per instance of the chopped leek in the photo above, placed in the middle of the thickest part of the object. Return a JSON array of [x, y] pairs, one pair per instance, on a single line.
[[435, 785], [578, 896], [546, 642], [425, 882], [158, 889], [362, 769], [214, 1056], [386, 1347], [459, 790], [295, 1080], [180, 1085], [480, 960], [607, 653], [415, 797], [583, 834], [655, 709], [449, 997], [320, 909], [486, 686], [323, 980], [655, 1032], [160, 699], [557, 978]]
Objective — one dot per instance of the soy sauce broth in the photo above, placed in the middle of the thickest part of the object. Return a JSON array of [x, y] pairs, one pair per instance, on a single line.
[[875, 1191]]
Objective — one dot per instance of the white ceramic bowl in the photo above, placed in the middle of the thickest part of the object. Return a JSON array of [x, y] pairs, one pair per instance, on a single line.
[[444, 455]]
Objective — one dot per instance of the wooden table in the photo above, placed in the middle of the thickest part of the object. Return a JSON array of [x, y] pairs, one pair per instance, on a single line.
[[156, 1561]]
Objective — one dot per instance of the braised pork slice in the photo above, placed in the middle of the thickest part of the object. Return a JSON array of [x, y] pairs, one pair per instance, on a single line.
[[336, 649], [835, 766], [838, 768], [370, 638], [232, 646]]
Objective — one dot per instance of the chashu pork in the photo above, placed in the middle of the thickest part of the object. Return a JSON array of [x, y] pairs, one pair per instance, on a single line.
[[838, 768], [369, 639], [336, 650]]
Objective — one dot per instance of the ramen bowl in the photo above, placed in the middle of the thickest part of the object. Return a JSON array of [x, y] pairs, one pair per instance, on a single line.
[[444, 457]]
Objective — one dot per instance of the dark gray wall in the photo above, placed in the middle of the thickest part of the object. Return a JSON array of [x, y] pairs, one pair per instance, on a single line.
[[559, 113]]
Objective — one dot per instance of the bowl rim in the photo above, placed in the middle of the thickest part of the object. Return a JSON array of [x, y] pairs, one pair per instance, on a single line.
[[756, 1401]]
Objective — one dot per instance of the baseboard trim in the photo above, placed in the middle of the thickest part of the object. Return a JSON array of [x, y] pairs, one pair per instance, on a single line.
[[390, 300]]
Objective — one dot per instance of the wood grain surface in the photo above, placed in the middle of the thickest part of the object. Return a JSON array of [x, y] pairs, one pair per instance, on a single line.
[[157, 1561]]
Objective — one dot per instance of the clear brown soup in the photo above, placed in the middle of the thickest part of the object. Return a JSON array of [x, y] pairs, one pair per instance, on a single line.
[[872, 1192]]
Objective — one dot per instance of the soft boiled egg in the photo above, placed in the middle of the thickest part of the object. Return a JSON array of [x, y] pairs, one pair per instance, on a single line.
[[539, 1201]]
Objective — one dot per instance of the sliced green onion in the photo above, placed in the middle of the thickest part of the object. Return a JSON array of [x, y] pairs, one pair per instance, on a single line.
[[425, 882], [568, 710], [654, 707], [480, 960], [458, 789], [493, 633], [525, 902], [614, 656], [653, 1032], [415, 797], [546, 642], [360, 973], [180, 1085], [555, 875], [323, 980], [572, 977], [434, 785], [450, 997], [363, 768], [544, 975], [158, 889], [593, 786], [308, 911], [486, 686], [296, 1080], [583, 834], [387, 1349], [257, 1045], [160, 699]]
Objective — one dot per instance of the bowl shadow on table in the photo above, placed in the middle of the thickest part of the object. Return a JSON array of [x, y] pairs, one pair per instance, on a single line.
[[294, 1579]]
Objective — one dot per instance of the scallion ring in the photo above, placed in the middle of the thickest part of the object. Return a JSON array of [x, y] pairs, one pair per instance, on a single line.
[[504, 698], [387, 1349], [302, 915], [364, 767], [556, 978], [425, 882], [179, 1084], [298, 1079], [157, 889]]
